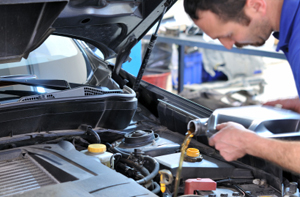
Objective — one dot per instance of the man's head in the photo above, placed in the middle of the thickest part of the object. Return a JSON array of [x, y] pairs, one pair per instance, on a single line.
[[227, 10], [239, 22]]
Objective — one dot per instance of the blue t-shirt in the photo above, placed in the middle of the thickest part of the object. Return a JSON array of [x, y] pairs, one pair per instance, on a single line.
[[289, 36]]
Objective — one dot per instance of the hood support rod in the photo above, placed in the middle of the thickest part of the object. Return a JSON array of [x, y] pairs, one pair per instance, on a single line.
[[148, 52]]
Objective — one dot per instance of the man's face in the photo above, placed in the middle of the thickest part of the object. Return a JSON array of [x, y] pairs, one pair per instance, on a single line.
[[233, 33]]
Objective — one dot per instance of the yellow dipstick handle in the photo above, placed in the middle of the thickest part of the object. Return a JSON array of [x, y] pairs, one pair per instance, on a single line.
[[163, 188], [166, 178]]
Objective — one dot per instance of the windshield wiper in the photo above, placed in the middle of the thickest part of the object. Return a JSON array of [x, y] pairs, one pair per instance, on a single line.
[[45, 83]]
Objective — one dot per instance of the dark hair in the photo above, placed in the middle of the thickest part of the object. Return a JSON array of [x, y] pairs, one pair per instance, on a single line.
[[227, 10]]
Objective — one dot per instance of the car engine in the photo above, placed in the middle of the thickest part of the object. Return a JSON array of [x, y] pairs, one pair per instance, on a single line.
[[144, 157]]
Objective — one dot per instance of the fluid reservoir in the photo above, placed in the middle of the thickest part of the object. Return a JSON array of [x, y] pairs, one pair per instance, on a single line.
[[99, 151], [193, 155]]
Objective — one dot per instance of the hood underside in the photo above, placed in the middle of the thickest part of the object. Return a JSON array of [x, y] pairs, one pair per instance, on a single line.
[[112, 26]]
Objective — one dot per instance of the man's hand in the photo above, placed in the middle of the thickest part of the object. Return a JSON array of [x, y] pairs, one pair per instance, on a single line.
[[291, 104], [232, 140]]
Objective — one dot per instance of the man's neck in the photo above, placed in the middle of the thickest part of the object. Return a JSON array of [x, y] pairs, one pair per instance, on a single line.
[[274, 13]]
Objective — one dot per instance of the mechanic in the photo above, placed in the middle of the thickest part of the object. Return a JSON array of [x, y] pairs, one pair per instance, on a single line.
[[251, 22]]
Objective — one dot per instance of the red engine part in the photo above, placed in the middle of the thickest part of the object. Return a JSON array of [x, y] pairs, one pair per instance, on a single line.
[[204, 184]]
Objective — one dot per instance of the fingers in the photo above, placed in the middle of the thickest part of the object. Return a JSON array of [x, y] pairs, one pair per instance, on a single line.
[[291, 104], [229, 156], [229, 152], [221, 126], [228, 125], [227, 140], [212, 140], [273, 103]]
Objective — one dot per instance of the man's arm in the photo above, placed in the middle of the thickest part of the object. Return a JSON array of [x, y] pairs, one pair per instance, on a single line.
[[234, 141]]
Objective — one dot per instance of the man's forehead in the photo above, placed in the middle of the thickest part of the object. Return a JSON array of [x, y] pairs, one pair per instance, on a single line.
[[207, 14], [208, 26], [212, 25], [208, 18]]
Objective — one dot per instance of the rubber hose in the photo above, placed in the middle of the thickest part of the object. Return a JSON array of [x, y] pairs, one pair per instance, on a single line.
[[156, 189], [114, 157], [234, 181], [116, 150], [153, 173], [148, 177], [142, 169], [94, 133]]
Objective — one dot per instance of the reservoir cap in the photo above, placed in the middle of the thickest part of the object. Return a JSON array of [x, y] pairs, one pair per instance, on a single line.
[[97, 148], [192, 152]]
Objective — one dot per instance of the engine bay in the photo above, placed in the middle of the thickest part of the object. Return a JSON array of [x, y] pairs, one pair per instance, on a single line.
[[143, 156], [55, 167]]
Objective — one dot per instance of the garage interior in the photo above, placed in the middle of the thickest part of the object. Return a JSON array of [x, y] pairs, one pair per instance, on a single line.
[[229, 78]]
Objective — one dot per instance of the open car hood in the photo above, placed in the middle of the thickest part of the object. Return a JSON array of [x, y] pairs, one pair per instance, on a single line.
[[44, 135], [114, 27], [24, 25]]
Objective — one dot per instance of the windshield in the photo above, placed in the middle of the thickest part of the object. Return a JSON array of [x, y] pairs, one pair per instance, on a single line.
[[57, 58]]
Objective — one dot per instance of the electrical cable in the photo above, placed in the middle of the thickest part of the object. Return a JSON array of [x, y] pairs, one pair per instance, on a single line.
[[233, 183]]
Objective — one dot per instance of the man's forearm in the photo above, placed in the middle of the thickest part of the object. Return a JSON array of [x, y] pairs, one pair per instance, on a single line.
[[283, 153]]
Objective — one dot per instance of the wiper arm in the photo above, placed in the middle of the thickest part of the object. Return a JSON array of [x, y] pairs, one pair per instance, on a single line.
[[46, 83], [19, 93]]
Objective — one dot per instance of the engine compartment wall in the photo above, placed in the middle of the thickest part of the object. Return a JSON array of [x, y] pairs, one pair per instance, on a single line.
[[62, 114]]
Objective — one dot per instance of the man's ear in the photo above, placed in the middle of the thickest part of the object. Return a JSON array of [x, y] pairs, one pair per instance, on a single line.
[[257, 6]]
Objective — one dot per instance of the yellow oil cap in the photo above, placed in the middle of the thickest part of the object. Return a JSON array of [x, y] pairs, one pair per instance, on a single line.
[[97, 148], [192, 152]]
